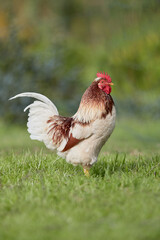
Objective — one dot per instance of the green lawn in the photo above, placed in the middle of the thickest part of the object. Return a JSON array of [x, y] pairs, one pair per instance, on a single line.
[[43, 197]]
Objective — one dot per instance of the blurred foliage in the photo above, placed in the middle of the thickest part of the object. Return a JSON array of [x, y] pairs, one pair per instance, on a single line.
[[57, 47]]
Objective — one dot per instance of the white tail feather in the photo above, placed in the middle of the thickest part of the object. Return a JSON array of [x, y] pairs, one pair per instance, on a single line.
[[39, 113], [38, 96]]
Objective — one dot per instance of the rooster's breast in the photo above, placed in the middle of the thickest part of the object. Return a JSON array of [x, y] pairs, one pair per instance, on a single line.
[[86, 152]]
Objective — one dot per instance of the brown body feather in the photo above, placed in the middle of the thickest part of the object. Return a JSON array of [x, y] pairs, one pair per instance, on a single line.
[[60, 127], [71, 143]]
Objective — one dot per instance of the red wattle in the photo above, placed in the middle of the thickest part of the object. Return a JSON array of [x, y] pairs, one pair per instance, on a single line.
[[107, 89]]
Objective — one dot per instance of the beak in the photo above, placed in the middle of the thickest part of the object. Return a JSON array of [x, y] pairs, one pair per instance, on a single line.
[[111, 83]]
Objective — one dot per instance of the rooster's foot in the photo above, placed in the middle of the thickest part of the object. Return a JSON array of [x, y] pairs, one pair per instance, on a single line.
[[86, 172]]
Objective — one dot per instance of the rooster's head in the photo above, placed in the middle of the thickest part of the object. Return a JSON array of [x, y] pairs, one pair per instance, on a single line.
[[104, 82]]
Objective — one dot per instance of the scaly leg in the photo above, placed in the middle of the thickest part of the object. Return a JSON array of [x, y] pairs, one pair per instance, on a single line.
[[86, 171]]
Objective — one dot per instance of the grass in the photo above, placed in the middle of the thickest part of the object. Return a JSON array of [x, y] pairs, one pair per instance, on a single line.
[[43, 197]]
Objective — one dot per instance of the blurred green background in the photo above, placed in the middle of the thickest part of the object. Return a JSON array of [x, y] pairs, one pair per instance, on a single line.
[[57, 47]]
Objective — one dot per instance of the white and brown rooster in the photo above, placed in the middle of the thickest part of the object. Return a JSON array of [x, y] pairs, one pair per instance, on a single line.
[[80, 138]]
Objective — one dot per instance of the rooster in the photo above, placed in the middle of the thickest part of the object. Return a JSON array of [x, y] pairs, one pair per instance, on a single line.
[[79, 138]]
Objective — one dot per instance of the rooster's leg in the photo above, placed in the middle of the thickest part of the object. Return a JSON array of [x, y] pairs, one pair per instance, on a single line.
[[86, 171]]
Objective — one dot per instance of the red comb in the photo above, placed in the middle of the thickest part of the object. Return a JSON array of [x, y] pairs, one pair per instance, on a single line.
[[105, 76]]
